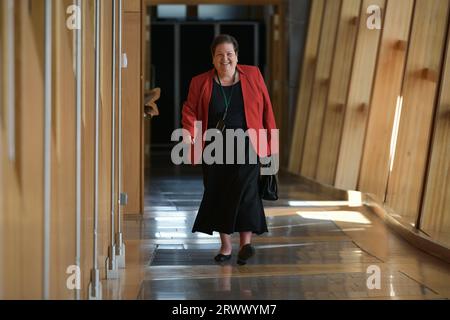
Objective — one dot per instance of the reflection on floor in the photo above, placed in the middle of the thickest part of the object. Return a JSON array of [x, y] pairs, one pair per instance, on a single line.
[[319, 246]]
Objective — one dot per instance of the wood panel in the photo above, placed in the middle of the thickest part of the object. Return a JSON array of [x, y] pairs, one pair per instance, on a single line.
[[358, 101], [320, 88], [428, 33], [24, 206], [338, 92], [105, 134], [387, 87], [435, 212], [10, 230], [306, 82], [282, 93], [132, 6], [63, 215], [147, 76], [21, 275], [142, 59], [3, 151], [132, 116], [87, 185]]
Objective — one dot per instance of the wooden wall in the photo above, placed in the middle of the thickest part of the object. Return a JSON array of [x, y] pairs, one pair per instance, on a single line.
[[306, 82], [132, 100], [420, 89], [388, 80], [337, 94], [22, 184], [435, 217], [22, 178], [320, 87], [372, 110], [2, 143], [63, 152]]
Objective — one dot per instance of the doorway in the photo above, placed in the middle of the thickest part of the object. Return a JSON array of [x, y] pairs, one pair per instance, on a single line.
[[186, 53]]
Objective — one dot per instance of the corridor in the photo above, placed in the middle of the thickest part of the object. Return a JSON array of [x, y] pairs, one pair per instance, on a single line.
[[318, 247]]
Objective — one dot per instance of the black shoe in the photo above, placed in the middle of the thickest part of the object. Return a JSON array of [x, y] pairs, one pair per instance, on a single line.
[[245, 253], [222, 258]]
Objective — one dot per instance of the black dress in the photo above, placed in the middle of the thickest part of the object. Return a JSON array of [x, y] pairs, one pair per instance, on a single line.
[[231, 201]]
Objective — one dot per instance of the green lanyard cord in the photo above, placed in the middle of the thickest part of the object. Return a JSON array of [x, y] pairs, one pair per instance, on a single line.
[[226, 101]]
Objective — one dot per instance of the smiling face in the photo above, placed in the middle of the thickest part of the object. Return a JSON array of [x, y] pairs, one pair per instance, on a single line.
[[225, 58]]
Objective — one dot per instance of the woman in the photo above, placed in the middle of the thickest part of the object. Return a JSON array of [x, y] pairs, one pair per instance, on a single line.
[[236, 96]]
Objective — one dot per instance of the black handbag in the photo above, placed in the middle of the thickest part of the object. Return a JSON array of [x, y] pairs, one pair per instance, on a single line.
[[268, 187]]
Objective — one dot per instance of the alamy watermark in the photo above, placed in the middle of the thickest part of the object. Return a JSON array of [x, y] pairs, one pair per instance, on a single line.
[[374, 20], [374, 280], [73, 22], [73, 281], [187, 152]]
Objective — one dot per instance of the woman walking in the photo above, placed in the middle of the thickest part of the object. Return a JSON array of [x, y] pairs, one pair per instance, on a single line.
[[232, 97]]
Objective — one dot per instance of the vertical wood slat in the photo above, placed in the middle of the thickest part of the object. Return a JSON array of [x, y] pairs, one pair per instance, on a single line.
[[132, 112], [63, 155], [337, 97], [435, 213], [305, 87], [10, 230], [146, 54], [30, 146], [320, 87], [2, 151], [104, 221], [387, 87], [116, 185], [87, 198], [4, 191], [25, 200], [278, 82], [405, 185], [22, 211], [143, 15], [358, 101]]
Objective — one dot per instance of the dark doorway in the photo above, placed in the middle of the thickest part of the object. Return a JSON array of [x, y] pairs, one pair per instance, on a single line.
[[180, 50]]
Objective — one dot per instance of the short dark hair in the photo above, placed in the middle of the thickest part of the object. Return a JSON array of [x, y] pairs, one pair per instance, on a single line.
[[224, 38]]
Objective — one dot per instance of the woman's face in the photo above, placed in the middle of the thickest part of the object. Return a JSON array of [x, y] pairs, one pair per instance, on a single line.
[[225, 58]]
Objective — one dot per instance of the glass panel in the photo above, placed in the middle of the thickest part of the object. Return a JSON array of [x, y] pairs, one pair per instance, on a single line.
[[171, 11]]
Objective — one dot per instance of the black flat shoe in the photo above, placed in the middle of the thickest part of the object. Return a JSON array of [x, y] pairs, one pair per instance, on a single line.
[[245, 253], [222, 258]]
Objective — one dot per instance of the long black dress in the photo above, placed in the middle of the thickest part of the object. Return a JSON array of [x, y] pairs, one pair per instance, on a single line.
[[231, 201]]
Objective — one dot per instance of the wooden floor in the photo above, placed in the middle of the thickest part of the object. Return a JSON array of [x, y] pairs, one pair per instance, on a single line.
[[319, 246]]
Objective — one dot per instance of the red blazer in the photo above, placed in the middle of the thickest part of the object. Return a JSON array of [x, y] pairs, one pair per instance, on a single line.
[[257, 107]]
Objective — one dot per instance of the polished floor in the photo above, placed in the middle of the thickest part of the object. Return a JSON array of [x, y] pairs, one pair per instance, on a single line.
[[319, 246]]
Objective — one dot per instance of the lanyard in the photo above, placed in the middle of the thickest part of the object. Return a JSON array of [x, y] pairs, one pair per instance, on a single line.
[[226, 101]]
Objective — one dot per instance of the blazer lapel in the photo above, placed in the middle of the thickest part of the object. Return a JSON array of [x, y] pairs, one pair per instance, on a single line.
[[248, 93], [205, 97]]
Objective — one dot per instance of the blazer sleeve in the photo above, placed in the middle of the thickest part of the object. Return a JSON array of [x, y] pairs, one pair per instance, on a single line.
[[268, 116], [190, 107]]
